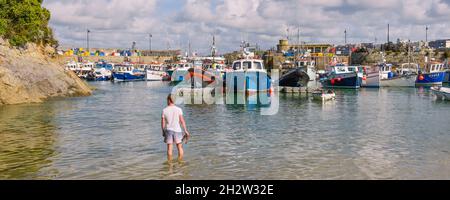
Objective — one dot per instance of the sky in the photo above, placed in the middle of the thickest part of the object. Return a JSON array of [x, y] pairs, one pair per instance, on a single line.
[[175, 23]]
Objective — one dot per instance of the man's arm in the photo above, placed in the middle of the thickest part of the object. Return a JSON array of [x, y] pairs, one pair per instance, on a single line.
[[163, 124], [183, 123]]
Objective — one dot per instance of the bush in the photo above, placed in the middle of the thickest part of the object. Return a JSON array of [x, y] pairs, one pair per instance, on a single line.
[[23, 21]]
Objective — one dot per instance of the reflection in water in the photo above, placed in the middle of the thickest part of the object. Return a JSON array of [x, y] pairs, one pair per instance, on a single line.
[[27, 137], [383, 133]]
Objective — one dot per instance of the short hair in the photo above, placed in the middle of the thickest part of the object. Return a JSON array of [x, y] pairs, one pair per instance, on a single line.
[[169, 98]]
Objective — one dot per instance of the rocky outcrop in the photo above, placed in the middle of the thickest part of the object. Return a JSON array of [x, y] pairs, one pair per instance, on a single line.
[[31, 75]]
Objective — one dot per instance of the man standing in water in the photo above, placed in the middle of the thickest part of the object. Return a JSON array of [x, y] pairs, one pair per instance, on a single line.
[[171, 118]]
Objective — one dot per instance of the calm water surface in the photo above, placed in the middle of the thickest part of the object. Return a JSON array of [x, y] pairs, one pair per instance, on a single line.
[[115, 134]]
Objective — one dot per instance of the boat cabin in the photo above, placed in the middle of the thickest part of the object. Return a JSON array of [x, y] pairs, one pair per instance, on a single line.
[[124, 67], [408, 68], [72, 66], [342, 69], [248, 64], [184, 66], [434, 68], [305, 63]]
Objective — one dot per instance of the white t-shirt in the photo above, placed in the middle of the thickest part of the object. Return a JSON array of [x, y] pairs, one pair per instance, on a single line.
[[172, 116]]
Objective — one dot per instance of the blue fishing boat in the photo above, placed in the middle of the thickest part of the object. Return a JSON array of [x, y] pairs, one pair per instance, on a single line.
[[127, 72], [432, 74], [102, 72], [447, 72], [248, 75], [342, 76]]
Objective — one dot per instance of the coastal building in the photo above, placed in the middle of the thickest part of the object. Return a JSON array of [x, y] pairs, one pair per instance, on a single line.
[[284, 46], [440, 44], [161, 53]]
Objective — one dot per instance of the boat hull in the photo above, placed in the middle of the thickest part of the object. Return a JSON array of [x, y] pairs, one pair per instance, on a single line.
[[372, 80], [447, 77], [441, 93], [350, 81], [430, 79], [295, 78], [404, 81], [178, 75], [155, 76], [241, 81], [126, 76]]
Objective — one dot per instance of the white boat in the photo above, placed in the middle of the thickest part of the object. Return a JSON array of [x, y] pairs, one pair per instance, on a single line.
[[441, 92], [85, 70], [309, 66], [156, 72], [73, 66], [404, 77], [320, 95]]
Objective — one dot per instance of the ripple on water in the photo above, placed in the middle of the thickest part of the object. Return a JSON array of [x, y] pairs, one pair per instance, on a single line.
[[114, 134]]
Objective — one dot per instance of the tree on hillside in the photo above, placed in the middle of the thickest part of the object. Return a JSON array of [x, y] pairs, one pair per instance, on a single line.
[[23, 21]]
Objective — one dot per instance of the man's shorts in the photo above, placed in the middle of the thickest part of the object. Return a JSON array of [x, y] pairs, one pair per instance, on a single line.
[[171, 137]]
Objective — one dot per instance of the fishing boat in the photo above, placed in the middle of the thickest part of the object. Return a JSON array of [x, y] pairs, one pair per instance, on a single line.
[[371, 77], [321, 95], [180, 72], [342, 76], [157, 72], [73, 66], [85, 70], [432, 74], [304, 72], [441, 92], [101, 72], [404, 77], [248, 74], [127, 72], [447, 72]]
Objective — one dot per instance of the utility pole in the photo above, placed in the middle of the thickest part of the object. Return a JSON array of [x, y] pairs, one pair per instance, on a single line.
[[426, 35], [150, 42], [345, 33], [189, 49], [298, 42], [87, 39], [388, 35]]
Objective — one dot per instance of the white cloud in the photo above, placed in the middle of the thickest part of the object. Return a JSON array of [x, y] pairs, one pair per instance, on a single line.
[[115, 23]]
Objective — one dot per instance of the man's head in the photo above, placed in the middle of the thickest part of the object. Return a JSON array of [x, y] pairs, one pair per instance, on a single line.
[[169, 100]]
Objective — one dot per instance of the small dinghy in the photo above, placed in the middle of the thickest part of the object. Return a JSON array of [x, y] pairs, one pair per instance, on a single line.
[[321, 95], [441, 92]]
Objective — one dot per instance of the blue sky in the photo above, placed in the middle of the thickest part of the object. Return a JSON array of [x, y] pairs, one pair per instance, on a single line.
[[117, 23]]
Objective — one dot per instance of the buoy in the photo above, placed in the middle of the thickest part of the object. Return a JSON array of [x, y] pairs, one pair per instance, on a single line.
[[421, 77], [364, 78], [332, 81]]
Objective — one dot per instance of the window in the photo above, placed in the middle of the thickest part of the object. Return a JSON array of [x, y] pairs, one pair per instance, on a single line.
[[237, 66], [258, 65], [247, 65]]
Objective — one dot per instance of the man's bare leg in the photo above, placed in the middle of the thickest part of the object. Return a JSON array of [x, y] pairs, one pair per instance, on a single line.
[[180, 151], [169, 152]]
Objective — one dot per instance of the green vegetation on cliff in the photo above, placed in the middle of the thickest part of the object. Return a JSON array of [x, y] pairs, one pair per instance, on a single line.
[[23, 21]]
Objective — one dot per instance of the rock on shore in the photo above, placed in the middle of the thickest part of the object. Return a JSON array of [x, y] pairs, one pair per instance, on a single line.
[[30, 75]]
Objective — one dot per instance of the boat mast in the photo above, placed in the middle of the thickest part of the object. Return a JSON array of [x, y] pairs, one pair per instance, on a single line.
[[213, 50]]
